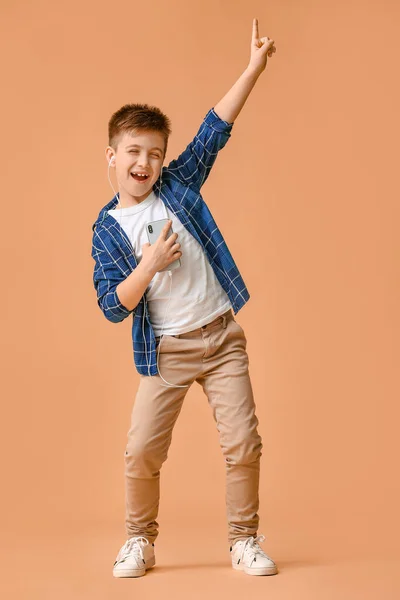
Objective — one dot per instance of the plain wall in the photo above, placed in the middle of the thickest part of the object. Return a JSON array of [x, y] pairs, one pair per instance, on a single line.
[[306, 195]]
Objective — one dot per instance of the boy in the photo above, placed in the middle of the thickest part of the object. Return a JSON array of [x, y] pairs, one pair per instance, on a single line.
[[203, 341]]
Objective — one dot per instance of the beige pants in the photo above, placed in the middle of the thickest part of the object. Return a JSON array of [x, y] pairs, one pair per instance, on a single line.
[[215, 356]]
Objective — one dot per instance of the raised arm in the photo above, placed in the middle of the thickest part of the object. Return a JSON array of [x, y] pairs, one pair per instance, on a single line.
[[193, 166], [232, 103]]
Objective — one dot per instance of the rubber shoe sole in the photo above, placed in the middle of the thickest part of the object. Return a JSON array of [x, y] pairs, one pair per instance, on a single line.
[[135, 572], [255, 570]]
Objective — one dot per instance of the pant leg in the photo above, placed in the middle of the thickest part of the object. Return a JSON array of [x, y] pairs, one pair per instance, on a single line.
[[226, 382], [155, 411]]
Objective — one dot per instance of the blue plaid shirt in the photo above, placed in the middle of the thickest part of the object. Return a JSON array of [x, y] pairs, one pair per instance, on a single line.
[[114, 256]]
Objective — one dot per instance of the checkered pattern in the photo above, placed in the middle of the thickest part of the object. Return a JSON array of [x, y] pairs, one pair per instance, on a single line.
[[114, 255]]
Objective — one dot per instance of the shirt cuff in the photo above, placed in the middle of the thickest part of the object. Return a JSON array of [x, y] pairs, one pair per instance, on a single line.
[[215, 122], [121, 308]]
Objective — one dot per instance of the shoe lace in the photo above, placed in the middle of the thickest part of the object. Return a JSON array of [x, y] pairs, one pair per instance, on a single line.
[[133, 546], [251, 545]]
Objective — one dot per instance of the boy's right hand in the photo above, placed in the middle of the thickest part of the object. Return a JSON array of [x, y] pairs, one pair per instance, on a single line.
[[163, 252]]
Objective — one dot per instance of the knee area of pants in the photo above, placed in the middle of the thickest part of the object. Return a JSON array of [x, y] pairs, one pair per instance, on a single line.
[[138, 455], [135, 453], [244, 454]]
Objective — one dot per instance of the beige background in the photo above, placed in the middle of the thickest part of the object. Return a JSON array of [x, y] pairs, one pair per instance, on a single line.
[[313, 226]]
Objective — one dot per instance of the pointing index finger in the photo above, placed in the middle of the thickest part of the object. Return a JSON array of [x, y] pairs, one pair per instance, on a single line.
[[255, 29]]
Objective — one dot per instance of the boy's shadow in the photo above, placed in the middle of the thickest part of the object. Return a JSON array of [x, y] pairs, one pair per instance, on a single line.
[[282, 565]]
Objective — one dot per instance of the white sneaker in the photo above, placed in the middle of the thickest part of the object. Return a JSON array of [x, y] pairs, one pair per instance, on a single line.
[[134, 558], [247, 556]]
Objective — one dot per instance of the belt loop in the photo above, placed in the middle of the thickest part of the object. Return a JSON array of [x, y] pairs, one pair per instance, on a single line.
[[224, 321]]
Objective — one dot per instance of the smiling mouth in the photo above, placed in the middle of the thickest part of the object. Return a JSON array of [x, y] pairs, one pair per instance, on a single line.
[[140, 178]]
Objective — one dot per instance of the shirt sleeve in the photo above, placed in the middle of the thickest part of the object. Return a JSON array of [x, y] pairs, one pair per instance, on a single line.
[[106, 277], [193, 166]]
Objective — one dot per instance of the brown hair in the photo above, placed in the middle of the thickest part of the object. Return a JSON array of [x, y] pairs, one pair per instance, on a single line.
[[137, 117]]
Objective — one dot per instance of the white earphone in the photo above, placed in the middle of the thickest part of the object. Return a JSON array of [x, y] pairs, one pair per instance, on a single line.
[[112, 159]]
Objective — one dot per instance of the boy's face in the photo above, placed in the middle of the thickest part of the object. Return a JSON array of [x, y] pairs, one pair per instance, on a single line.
[[139, 152]]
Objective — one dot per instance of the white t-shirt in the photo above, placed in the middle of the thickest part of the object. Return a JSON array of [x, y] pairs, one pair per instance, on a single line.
[[197, 297]]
